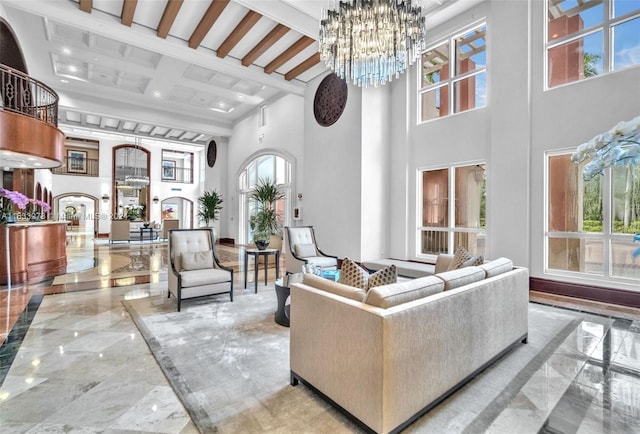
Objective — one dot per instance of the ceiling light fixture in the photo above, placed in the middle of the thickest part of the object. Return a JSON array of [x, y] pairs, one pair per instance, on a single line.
[[370, 41]]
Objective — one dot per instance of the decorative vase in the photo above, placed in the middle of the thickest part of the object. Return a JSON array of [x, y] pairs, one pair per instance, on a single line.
[[261, 244], [11, 218]]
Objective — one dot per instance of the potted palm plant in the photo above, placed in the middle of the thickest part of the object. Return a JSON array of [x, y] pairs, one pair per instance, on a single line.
[[210, 204], [266, 220]]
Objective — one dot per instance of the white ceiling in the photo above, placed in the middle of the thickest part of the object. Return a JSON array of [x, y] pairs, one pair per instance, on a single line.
[[127, 79]]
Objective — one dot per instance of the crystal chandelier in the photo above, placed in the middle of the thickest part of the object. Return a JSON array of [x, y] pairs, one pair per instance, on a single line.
[[137, 180], [370, 41]]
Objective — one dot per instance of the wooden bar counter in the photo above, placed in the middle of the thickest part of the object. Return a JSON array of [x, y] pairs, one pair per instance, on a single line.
[[36, 250]]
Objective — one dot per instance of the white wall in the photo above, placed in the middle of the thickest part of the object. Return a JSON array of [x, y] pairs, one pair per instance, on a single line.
[[217, 178], [333, 176], [283, 132], [376, 149]]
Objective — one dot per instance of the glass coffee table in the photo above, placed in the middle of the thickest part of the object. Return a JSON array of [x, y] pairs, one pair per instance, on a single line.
[[283, 290]]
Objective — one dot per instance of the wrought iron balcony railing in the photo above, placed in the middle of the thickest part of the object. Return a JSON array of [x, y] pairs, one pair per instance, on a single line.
[[78, 166], [181, 175], [25, 95]]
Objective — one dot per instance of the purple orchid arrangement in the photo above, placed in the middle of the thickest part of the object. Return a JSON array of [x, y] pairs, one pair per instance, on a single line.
[[45, 206], [9, 198]]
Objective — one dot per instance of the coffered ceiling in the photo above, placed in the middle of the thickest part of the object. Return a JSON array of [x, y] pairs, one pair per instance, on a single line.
[[181, 70]]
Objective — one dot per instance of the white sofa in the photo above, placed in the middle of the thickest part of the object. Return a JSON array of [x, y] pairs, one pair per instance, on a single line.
[[388, 355]]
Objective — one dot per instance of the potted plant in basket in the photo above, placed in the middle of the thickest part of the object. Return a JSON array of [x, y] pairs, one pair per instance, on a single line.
[[266, 220], [210, 207]]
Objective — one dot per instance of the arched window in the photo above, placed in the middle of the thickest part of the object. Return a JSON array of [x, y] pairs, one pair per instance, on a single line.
[[274, 166]]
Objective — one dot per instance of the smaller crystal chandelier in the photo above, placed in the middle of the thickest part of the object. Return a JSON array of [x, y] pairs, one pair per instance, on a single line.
[[370, 41], [137, 180]]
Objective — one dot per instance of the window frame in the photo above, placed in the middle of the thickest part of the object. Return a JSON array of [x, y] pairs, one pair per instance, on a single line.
[[451, 229], [607, 26], [607, 236], [454, 78], [246, 183]]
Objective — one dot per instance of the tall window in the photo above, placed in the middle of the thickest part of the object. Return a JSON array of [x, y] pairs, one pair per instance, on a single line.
[[271, 166], [446, 224], [452, 87], [590, 37], [590, 224]]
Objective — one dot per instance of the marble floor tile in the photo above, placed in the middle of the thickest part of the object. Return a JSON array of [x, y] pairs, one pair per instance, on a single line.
[[158, 411]]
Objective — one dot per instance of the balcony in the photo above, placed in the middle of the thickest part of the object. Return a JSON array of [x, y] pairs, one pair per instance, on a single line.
[[29, 134], [77, 167], [180, 175]]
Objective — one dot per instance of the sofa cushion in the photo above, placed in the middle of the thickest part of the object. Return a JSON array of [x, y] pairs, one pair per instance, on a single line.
[[334, 287], [497, 266], [384, 276], [460, 256], [353, 275], [196, 260], [460, 277], [305, 250], [397, 293]]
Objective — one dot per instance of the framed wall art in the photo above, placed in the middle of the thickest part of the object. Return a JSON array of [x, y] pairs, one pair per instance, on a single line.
[[169, 170], [76, 161], [169, 211]]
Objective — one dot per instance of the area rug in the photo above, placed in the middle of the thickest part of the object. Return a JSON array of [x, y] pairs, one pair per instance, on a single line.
[[229, 364]]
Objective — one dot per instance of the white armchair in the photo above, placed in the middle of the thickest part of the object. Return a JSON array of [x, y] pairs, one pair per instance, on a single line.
[[300, 248], [195, 270]]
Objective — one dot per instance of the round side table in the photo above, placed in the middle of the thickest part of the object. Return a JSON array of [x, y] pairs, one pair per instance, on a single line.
[[283, 290]]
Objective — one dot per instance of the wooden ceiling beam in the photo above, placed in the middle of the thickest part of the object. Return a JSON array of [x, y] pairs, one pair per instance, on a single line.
[[288, 54], [470, 39], [267, 42], [243, 27], [310, 62], [128, 10], [86, 5], [208, 20], [168, 17]]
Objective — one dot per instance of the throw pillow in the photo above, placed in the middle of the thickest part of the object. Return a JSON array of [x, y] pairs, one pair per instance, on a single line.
[[305, 250], [383, 276], [197, 260], [353, 275], [474, 260], [460, 257]]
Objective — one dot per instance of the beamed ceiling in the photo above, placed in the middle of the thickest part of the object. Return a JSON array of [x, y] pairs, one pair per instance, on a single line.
[[181, 70]]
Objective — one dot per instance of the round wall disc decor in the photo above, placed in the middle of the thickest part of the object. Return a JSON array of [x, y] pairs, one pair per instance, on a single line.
[[330, 100], [212, 153]]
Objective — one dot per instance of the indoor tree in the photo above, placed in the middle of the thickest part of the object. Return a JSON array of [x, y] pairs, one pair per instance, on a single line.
[[210, 205], [266, 220]]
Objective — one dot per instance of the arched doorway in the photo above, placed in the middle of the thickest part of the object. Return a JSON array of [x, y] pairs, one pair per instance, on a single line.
[[278, 166], [178, 208], [80, 209]]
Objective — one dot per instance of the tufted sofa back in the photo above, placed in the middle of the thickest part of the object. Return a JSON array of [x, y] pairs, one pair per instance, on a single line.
[[300, 235], [188, 241]]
